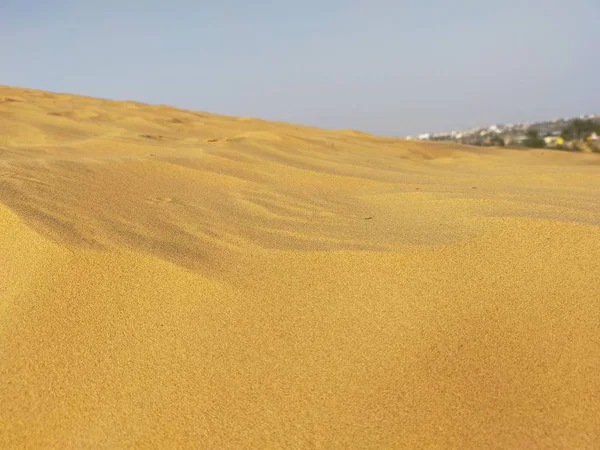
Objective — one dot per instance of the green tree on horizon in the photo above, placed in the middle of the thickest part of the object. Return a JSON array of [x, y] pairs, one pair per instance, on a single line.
[[534, 140], [580, 129]]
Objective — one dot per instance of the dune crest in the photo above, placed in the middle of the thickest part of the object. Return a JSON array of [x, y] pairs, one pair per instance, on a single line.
[[172, 278]]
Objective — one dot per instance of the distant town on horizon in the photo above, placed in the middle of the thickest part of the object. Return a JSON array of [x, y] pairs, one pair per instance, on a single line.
[[577, 134]]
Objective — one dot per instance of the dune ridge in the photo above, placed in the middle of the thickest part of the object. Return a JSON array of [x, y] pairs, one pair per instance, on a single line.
[[173, 278]]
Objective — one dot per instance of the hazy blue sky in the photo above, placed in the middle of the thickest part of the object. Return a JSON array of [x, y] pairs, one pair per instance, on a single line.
[[386, 66]]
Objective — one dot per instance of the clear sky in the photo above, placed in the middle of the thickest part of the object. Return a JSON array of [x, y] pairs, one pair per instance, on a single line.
[[386, 66]]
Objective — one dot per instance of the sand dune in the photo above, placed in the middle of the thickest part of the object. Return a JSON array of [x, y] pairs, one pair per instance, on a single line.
[[176, 279]]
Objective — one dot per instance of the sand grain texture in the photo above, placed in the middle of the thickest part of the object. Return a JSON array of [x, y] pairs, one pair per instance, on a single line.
[[176, 279]]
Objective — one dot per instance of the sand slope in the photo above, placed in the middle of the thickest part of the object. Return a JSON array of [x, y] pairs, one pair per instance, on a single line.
[[172, 278]]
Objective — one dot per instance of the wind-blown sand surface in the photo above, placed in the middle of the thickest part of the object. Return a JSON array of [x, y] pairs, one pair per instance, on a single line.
[[171, 278]]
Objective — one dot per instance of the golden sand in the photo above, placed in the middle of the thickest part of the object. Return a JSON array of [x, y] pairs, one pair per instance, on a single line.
[[176, 279]]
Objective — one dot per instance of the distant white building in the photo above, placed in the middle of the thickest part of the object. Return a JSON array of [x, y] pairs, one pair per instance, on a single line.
[[424, 137], [516, 139], [554, 141]]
